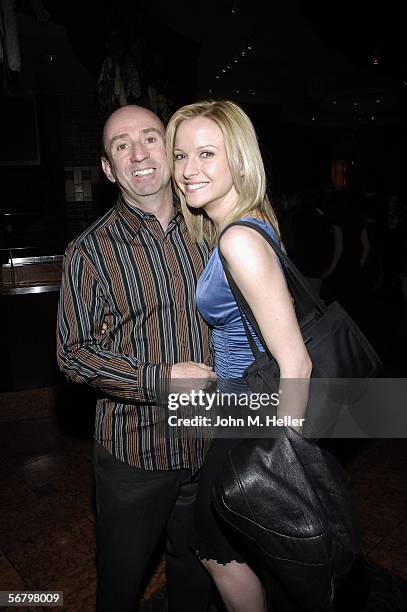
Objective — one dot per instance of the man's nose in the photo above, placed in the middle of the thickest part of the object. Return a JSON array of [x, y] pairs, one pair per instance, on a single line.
[[139, 152]]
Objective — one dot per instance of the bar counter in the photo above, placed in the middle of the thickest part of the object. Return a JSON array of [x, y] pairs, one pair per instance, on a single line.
[[29, 289]]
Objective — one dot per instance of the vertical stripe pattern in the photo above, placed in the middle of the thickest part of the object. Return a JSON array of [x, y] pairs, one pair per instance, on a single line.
[[127, 271]]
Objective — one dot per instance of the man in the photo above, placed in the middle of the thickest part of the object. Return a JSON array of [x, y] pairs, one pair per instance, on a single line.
[[136, 268]]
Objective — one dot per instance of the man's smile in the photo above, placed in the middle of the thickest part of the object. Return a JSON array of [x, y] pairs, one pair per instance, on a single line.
[[143, 172]]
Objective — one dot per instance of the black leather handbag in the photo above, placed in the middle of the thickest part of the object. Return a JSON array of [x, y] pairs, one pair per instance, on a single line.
[[288, 498], [291, 503], [336, 345]]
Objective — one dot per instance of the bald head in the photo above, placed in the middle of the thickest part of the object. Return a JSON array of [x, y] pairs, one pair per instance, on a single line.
[[124, 116], [135, 159]]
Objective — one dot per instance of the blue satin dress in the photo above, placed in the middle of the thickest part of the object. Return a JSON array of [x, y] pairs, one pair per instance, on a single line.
[[218, 307], [211, 537]]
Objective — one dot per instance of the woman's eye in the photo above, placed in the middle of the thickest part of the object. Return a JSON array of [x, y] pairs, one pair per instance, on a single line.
[[179, 156], [206, 154]]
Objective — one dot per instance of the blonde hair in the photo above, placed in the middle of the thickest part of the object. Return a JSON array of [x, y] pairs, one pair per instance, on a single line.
[[245, 163]]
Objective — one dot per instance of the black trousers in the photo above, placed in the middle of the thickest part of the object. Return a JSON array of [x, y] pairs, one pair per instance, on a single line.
[[133, 508]]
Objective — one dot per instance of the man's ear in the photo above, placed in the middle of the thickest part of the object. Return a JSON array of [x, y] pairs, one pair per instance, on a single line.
[[106, 167]]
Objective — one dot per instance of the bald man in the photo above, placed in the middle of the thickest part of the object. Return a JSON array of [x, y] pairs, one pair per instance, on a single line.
[[136, 268]]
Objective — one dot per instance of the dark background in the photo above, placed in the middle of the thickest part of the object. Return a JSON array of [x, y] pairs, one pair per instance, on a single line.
[[304, 71]]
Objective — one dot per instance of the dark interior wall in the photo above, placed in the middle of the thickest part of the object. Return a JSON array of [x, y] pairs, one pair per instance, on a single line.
[[375, 156], [81, 127], [38, 190], [68, 136], [299, 157], [69, 126]]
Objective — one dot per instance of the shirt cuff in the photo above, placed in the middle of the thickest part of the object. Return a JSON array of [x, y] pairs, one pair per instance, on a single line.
[[154, 380]]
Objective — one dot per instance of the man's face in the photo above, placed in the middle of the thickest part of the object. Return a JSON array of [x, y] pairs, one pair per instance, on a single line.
[[134, 142]]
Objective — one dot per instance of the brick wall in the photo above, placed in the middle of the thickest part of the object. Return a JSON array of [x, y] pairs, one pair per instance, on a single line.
[[81, 130]]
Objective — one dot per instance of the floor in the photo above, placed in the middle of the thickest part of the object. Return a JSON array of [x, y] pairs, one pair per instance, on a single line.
[[47, 512]]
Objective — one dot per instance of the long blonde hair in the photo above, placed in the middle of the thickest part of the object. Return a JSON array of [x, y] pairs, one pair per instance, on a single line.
[[245, 163]]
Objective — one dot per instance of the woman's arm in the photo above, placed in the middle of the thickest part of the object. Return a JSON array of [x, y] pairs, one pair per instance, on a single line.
[[255, 268]]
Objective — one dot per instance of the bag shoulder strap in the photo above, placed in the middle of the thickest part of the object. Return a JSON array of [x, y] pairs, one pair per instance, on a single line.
[[296, 280], [298, 286]]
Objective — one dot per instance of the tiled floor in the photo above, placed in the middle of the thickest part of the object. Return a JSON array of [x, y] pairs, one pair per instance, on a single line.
[[47, 539]]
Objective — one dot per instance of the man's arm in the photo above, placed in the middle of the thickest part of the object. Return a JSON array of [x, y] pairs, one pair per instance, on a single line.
[[80, 343]]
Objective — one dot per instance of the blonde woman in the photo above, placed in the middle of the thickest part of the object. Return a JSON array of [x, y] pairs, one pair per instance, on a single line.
[[219, 175]]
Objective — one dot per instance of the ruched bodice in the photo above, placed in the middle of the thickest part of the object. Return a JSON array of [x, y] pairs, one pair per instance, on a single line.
[[218, 307]]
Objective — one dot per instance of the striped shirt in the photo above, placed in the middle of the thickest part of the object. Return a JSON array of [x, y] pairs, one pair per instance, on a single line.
[[125, 270]]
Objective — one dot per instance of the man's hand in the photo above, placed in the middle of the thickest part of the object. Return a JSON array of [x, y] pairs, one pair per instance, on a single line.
[[191, 369], [190, 376]]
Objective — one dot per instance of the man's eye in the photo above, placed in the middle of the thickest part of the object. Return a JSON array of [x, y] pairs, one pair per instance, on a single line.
[[122, 147], [179, 156], [206, 154], [151, 139]]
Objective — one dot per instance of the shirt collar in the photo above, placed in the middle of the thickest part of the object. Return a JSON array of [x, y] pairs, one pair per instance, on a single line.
[[134, 217]]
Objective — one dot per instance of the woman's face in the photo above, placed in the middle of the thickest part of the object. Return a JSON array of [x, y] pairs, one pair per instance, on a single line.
[[201, 167]]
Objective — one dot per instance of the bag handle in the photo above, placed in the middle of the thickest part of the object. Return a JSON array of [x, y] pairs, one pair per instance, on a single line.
[[295, 280]]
